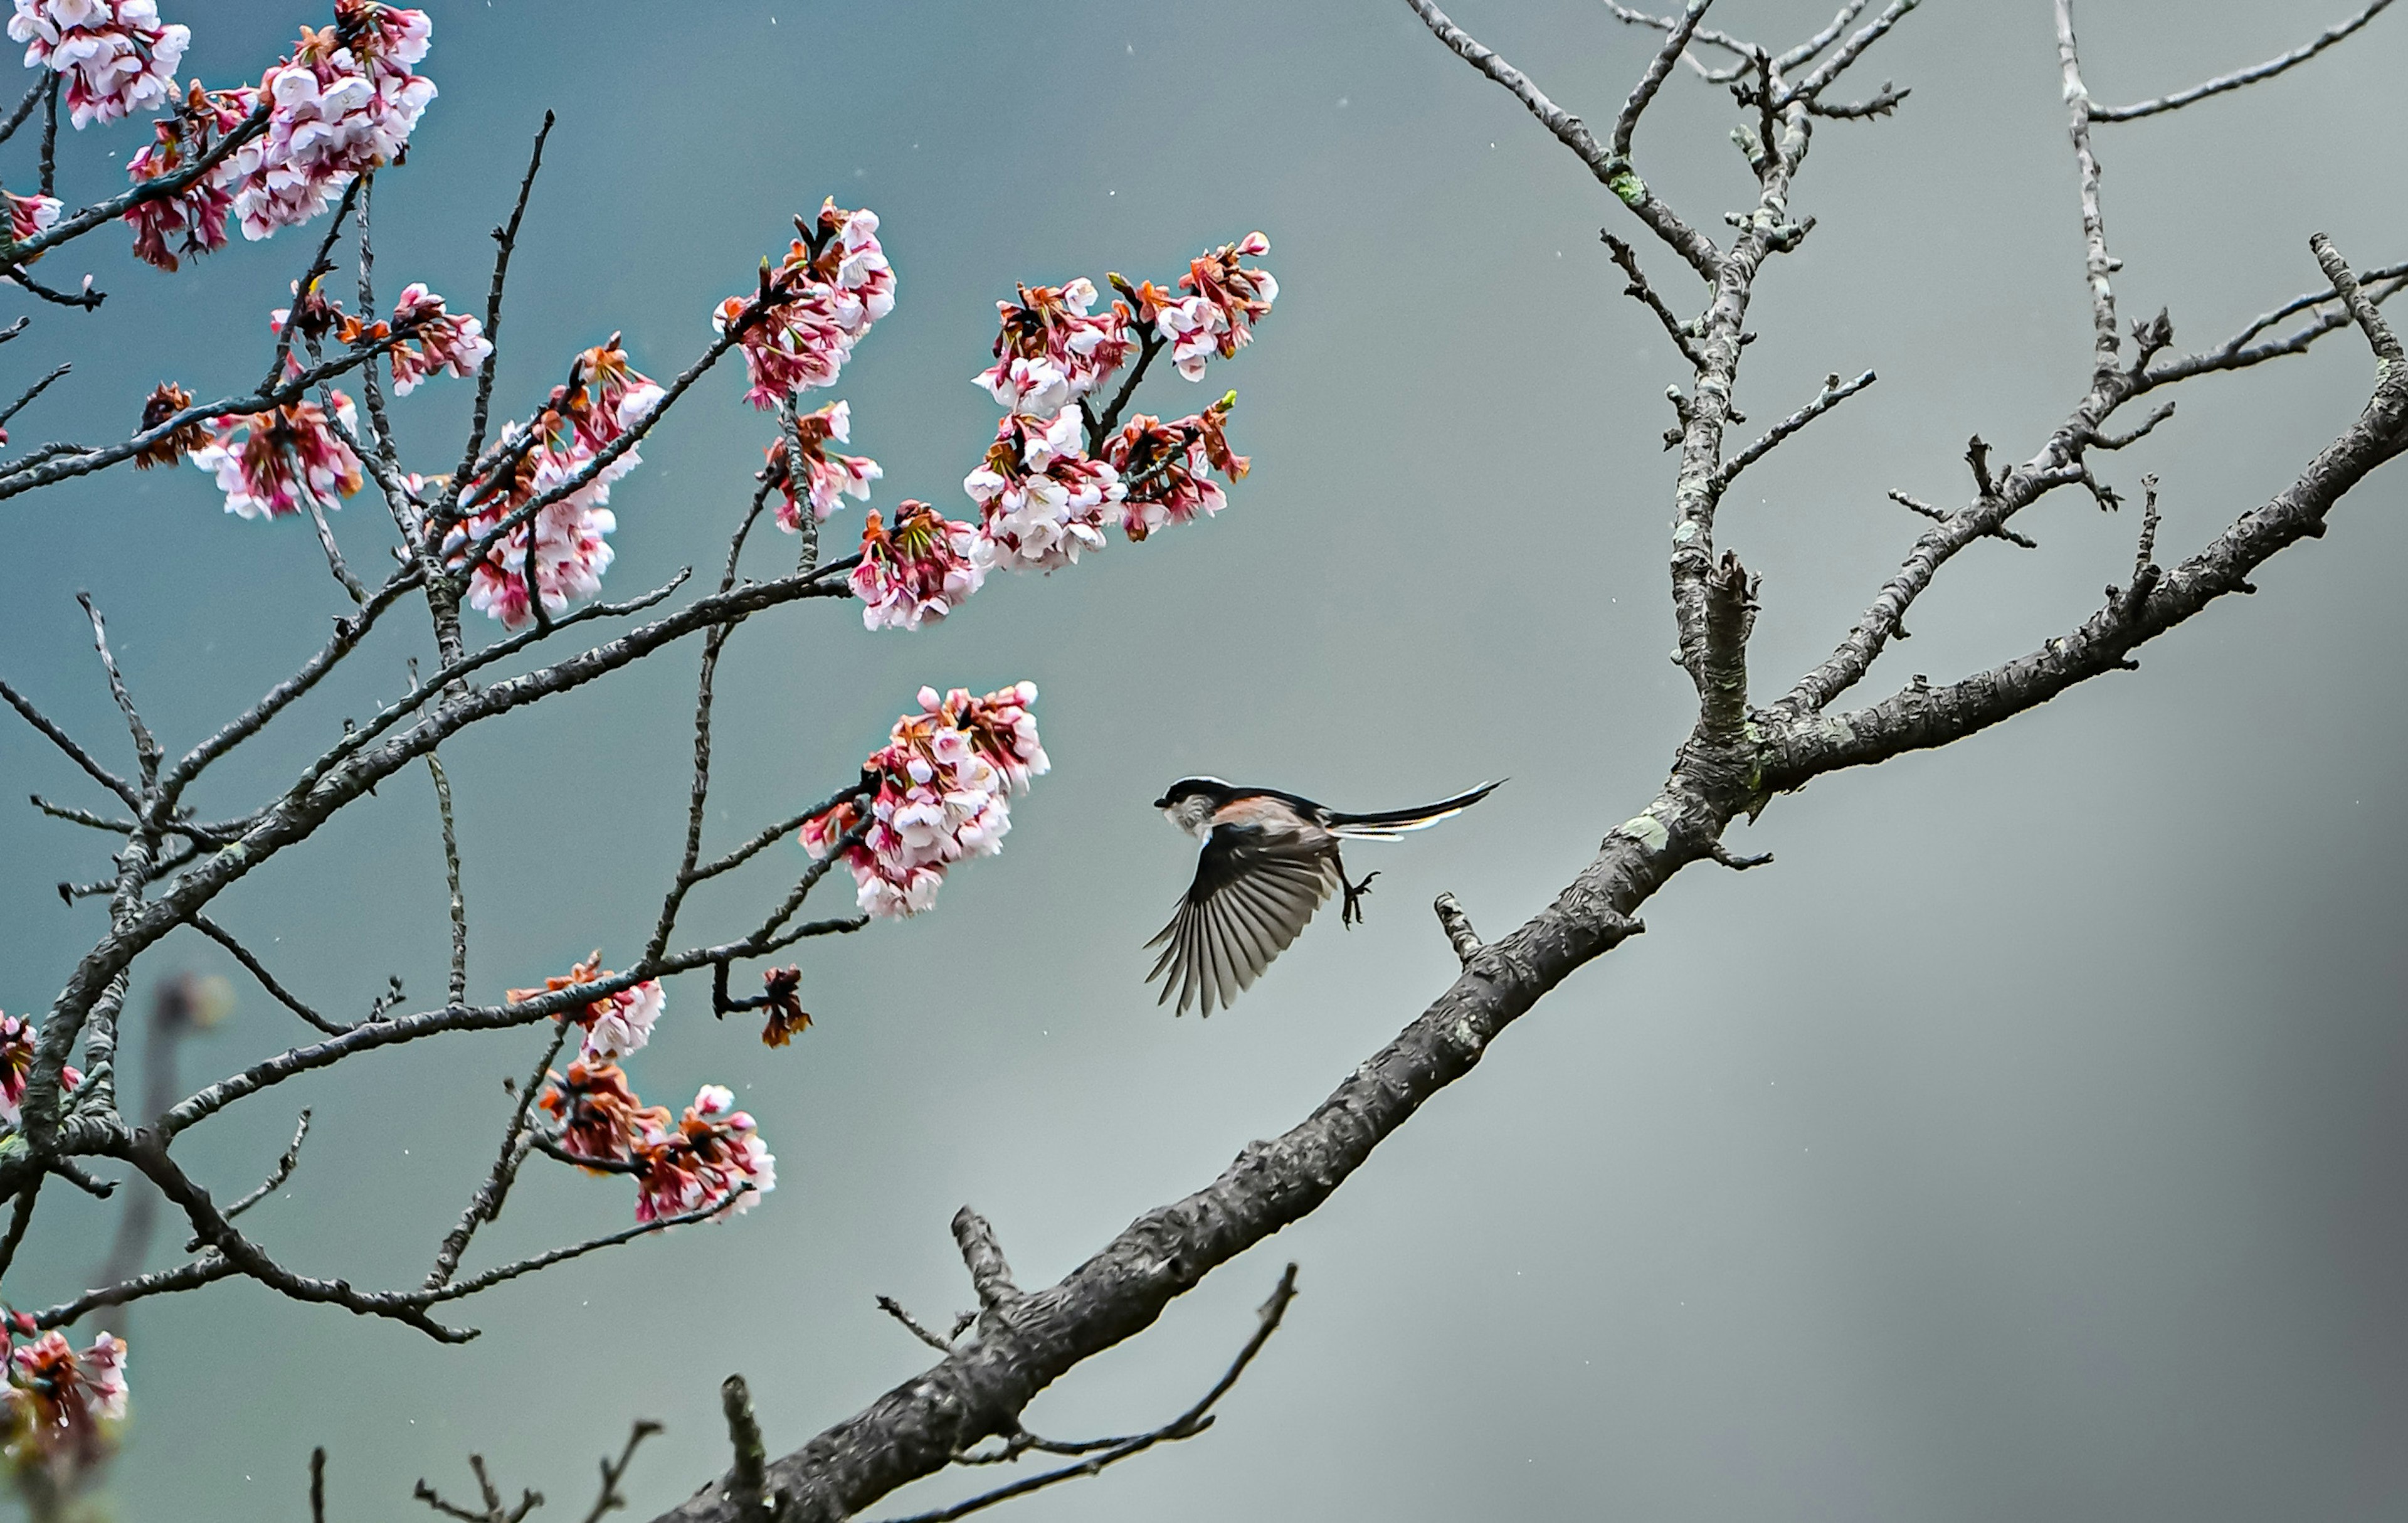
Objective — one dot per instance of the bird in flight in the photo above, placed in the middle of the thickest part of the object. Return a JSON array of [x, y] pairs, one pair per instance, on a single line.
[[1270, 859]]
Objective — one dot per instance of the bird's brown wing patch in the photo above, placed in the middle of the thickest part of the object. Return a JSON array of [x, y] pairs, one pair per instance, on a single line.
[[1253, 893]]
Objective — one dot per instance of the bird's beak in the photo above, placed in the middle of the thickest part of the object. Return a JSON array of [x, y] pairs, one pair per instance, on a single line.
[[1163, 802]]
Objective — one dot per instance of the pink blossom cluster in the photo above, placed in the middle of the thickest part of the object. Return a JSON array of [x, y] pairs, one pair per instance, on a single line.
[[1165, 468], [605, 399], [1041, 501], [30, 216], [799, 329], [61, 1406], [1224, 303], [613, 1025], [598, 1114], [827, 477], [17, 1039], [1050, 353], [194, 216], [439, 342], [344, 101], [715, 1157], [944, 785], [917, 573], [115, 55], [708, 1158], [283, 460]]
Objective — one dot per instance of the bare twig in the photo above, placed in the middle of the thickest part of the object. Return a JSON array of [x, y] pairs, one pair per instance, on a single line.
[[611, 1501], [2251, 75], [1834, 392], [1195, 1421], [1644, 294], [257, 970], [458, 986], [895, 1309], [1611, 170]]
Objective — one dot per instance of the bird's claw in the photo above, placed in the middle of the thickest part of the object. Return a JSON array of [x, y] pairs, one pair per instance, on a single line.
[[1355, 893]]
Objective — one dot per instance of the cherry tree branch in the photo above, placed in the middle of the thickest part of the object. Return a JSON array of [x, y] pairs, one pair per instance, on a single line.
[[2251, 75]]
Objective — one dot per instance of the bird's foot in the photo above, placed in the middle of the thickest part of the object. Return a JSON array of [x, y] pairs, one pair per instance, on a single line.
[[1356, 893]]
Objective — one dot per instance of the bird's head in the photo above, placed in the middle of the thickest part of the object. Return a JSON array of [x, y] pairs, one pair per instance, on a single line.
[[1190, 802]]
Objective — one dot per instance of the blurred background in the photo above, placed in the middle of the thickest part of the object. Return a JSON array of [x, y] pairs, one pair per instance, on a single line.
[[2027, 1142]]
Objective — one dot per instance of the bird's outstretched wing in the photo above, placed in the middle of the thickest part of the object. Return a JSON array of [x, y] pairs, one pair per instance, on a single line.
[[1253, 892]]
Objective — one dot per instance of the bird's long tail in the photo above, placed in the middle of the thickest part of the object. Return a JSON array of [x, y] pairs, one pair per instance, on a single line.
[[1390, 824]]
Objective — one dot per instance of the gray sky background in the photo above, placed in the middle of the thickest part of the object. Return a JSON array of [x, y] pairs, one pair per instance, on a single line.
[[2029, 1142]]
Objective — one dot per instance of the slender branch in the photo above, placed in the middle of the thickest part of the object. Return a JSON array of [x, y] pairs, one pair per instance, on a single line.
[[146, 747], [611, 1499], [2096, 260], [895, 1309], [276, 1177], [492, 1277], [1849, 50], [205, 1270], [1611, 170], [347, 637], [1644, 294], [258, 969], [506, 240], [104, 212], [31, 392], [75, 752], [487, 1205], [2251, 75], [25, 475], [1659, 69], [25, 104], [1195, 1421], [458, 986], [20, 1215], [1834, 392]]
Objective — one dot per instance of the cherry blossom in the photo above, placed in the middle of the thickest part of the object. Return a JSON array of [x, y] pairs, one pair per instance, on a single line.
[[567, 538], [616, 1024], [998, 727], [116, 56], [715, 1152], [313, 315], [611, 395], [197, 213], [600, 1117], [918, 573], [1224, 300], [344, 102], [827, 477], [63, 1407], [16, 1063], [799, 329], [29, 217], [1050, 353], [1041, 501], [941, 793], [1164, 467], [279, 462], [440, 343]]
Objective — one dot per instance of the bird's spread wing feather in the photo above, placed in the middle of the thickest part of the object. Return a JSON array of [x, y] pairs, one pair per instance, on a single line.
[[1253, 892]]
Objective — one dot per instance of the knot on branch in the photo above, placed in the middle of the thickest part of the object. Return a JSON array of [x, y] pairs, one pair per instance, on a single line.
[[1458, 926], [990, 1274]]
